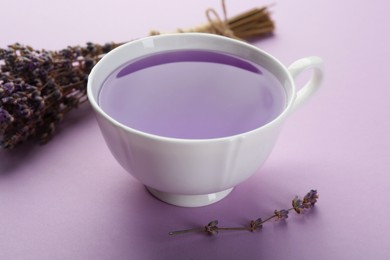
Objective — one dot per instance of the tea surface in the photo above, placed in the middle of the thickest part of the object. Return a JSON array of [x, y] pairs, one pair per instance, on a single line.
[[192, 94]]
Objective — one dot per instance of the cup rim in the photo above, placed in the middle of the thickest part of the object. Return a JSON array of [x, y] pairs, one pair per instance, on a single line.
[[98, 66]]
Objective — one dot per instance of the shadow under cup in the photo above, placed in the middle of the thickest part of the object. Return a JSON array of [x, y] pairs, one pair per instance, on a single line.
[[190, 115]]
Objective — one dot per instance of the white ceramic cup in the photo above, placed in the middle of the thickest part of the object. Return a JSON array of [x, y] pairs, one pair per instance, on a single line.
[[196, 172]]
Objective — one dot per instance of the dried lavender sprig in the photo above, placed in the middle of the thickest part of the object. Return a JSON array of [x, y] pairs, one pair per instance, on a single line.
[[298, 205], [38, 87]]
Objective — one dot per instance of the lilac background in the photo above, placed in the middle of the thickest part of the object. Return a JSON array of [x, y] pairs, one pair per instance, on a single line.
[[69, 199]]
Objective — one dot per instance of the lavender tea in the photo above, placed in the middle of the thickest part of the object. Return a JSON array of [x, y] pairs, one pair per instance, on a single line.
[[192, 94]]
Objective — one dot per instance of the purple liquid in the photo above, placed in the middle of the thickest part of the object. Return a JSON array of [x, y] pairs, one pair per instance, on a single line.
[[192, 94]]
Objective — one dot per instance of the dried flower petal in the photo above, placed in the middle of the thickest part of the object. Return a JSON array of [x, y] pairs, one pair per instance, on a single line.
[[297, 205], [281, 214], [212, 227], [310, 199], [5, 117], [256, 224]]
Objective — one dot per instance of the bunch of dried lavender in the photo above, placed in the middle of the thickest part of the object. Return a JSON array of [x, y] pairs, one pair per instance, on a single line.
[[38, 87], [298, 205]]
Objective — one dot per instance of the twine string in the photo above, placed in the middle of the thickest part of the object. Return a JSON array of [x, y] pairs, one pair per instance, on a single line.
[[216, 25]]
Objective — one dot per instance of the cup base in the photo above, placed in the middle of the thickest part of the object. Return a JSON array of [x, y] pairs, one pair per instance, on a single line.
[[189, 200]]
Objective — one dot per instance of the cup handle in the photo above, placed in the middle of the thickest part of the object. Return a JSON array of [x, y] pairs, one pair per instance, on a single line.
[[314, 63]]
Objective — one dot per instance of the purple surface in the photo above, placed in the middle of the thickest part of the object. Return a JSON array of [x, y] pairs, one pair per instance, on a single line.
[[69, 199], [187, 56], [191, 95]]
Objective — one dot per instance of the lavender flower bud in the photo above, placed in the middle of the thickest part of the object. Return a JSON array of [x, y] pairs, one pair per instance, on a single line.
[[281, 214], [5, 118], [310, 199]]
